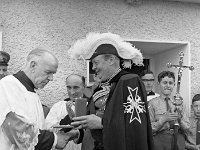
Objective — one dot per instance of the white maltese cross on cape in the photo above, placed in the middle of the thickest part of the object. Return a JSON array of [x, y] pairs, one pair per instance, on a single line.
[[134, 105]]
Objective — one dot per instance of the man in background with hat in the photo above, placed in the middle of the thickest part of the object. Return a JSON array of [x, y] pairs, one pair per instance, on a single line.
[[4, 59], [117, 111]]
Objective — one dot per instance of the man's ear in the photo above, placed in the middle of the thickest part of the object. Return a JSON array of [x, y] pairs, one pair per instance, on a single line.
[[33, 65], [112, 60]]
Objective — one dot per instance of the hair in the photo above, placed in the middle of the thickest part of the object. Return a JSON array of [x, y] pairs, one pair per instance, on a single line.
[[166, 74], [196, 98], [39, 52], [81, 77], [144, 72]]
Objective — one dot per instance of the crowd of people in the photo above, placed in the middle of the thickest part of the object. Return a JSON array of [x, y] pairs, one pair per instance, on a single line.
[[123, 110]]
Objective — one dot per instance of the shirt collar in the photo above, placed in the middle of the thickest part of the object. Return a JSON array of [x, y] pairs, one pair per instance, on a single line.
[[150, 93], [163, 97], [118, 75], [22, 77]]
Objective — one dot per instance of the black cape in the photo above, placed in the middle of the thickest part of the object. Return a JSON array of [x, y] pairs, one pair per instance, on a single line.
[[126, 122]]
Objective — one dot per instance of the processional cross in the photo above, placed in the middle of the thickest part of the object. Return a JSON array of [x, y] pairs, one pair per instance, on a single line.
[[178, 100]]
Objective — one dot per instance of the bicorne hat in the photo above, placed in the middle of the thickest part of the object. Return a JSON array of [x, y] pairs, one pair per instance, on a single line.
[[106, 43]]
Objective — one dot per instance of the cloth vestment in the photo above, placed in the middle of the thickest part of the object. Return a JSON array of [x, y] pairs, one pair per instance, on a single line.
[[17, 99], [126, 122]]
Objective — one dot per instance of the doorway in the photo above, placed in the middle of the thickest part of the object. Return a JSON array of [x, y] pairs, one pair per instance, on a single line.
[[159, 53]]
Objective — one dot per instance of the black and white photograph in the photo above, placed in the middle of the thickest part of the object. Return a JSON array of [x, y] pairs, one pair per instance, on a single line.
[[99, 75]]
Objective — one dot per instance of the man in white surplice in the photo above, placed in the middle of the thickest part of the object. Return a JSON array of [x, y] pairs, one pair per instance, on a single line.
[[22, 125], [62, 111]]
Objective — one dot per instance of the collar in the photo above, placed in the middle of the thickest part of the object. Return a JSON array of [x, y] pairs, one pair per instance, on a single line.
[[22, 77], [114, 74], [111, 77], [114, 79], [150, 93], [163, 97], [118, 75]]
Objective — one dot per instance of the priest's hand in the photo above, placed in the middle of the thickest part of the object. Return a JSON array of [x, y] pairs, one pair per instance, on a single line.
[[89, 121], [73, 134], [62, 140]]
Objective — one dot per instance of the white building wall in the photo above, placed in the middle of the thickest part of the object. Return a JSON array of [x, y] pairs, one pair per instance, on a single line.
[[56, 24]]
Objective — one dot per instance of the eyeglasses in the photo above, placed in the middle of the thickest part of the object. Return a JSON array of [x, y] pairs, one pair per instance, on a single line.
[[146, 80]]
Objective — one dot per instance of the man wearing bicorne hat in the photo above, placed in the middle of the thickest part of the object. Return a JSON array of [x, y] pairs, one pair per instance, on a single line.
[[4, 59], [117, 111]]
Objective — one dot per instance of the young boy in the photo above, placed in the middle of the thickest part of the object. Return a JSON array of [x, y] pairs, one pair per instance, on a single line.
[[162, 114]]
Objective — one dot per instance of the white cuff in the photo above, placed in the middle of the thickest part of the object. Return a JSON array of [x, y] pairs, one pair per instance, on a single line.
[[55, 139]]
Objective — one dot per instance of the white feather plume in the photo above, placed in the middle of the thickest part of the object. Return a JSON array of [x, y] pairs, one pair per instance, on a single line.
[[86, 47]]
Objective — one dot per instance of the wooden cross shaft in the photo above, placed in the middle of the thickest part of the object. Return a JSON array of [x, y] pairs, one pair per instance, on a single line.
[[180, 70]]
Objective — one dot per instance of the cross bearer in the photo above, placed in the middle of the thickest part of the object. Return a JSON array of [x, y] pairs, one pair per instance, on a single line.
[[117, 111], [163, 113]]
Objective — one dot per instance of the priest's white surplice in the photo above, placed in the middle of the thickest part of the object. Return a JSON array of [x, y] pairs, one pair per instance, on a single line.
[[15, 98]]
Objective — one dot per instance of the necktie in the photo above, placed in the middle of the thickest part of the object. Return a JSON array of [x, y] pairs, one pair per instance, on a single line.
[[197, 133], [167, 103], [171, 123]]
